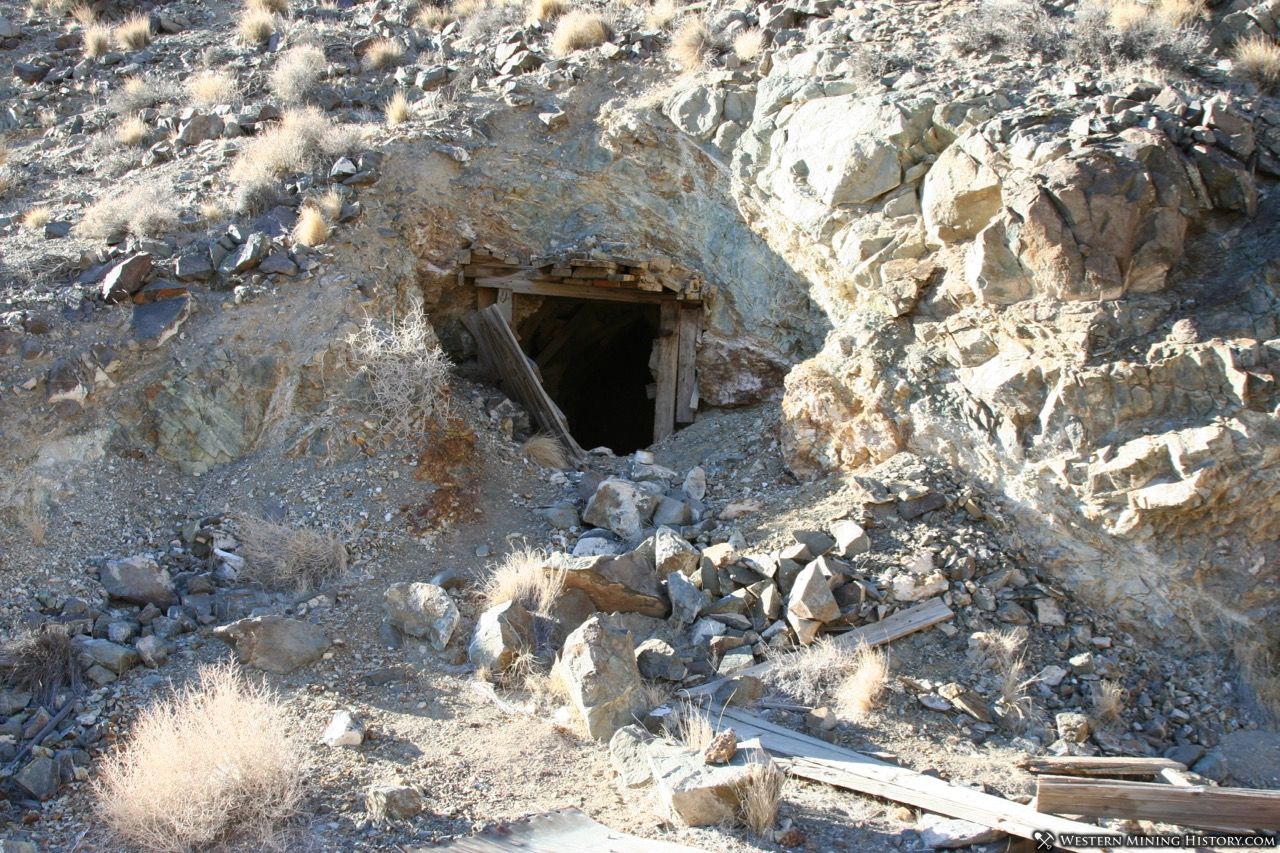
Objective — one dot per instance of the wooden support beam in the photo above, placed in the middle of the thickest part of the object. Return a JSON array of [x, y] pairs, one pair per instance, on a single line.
[[686, 378], [1201, 806], [668, 350], [1099, 765], [900, 624], [506, 304], [519, 284]]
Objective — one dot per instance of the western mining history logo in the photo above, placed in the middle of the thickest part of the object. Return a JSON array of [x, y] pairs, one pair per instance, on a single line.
[[1050, 841]]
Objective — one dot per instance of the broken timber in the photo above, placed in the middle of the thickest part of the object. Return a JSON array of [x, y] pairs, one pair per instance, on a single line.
[[900, 624], [1238, 809], [1086, 765], [498, 345]]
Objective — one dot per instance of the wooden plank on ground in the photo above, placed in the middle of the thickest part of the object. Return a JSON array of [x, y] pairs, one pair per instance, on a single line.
[[668, 351], [1098, 765], [900, 624], [686, 377], [521, 284], [1238, 809], [816, 760]]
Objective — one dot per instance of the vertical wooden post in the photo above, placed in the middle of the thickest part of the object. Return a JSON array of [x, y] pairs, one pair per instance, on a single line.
[[667, 346], [506, 304], [686, 378], [485, 296]]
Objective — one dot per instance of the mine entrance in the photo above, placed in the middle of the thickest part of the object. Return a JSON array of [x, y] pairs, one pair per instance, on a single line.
[[599, 351]]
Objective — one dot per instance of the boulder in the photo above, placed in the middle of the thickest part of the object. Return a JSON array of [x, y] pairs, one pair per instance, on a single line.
[[421, 610], [657, 660], [960, 195], [502, 633], [154, 323], [811, 596], [851, 539], [687, 601], [113, 656], [40, 778], [673, 553], [274, 643], [393, 802], [691, 792], [625, 583], [138, 580], [696, 111], [125, 278], [629, 757], [599, 670], [620, 506]]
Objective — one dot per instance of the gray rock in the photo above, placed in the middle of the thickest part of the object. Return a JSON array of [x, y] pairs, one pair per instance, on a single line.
[[670, 511], [393, 802], [153, 650], [816, 542], [695, 483], [599, 670], [8, 29], [656, 659], [696, 111], [1213, 766], [246, 256], [40, 777], [278, 263], [195, 127], [620, 506], [125, 278], [851, 539], [140, 580], [421, 610], [119, 659], [687, 601], [13, 700], [811, 596], [561, 516], [944, 833], [502, 633], [673, 553], [154, 323], [693, 793], [344, 729], [626, 583], [629, 757], [194, 266], [274, 643]]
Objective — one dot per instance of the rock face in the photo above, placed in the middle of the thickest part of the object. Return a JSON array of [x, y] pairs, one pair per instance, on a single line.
[[599, 669], [421, 610], [139, 580], [274, 643]]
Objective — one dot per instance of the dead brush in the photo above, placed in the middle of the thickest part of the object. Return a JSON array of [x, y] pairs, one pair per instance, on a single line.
[[432, 17], [275, 7], [42, 661], [860, 690], [405, 371], [760, 793], [256, 26], [132, 131], [97, 41], [660, 14], [543, 11], [140, 211], [813, 673], [397, 109], [579, 30], [1005, 651], [312, 228], [37, 217], [691, 46], [222, 761], [281, 556], [210, 88], [748, 44], [1109, 700], [330, 205], [530, 577], [382, 53], [545, 450], [693, 727], [134, 33], [84, 15], [301, 142], [1257, 58], [297, 73]]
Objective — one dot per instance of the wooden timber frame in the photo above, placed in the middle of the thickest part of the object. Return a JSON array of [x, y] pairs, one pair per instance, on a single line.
[[500, 280]]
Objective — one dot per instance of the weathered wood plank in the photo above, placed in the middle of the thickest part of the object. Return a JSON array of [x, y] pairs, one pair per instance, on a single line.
[[506, 304], [1085, 765], [686, 377], [520, 284], [810, 758], [900, 624], [667, 346], [1239, 809]]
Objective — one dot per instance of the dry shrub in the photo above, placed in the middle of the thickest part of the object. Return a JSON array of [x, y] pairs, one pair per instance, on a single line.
[[578, 30], [1109, 699], [693, 727], [37, 217], [1127, 14], [220, 761], [132, 131], [138, 93], [383, 53], [331, 204], [141, 211], [1181, 13], [297, 73], [547, 10], [1258, 59], [273, 7], [134, 33], [213, 211], [311, 228], [859, 691], [397, 110], [435, 17], [256, 26], [1005, 652], [84, 15], [97, 41], [545, 450], [1260, 667], [281, 556], [528, 576], [660, 15], [760, 793], [42, 661], [300, 142], [748, 44], [813, 673], [405, 369], [210, 88], [691, 45]]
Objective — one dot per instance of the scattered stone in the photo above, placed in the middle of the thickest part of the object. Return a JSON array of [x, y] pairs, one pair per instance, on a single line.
[[153, 650], [620, 506], [599, 669], [274, 643], [945, 833], [656, 659], [139, 580], [1072, 727], [850, 539], [117, 658], [502, 633], [393, 802], [627, 752], [421, 610], [345, 729], [687, 601], [40, 777]]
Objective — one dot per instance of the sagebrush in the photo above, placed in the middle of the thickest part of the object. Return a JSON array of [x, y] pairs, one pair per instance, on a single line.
[[302, 141], [141, 211], [282, 556]]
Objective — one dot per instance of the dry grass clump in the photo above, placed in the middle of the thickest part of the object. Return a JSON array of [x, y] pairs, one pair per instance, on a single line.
[[813, 673], [760, 793], [693, 726], [42, 661], [1260, 667], [578, 30], [1109, 699], [860, 690], [1258, 58], [405, 369], [213, 211], [97, 41], [660, 15], [691, 45], [297, 73], [300, 142], [281, 556], [547, 10], [210, 88], [545, 450], [37, 217], [134, 33], [132, 131], [748, 44], [141, 211], [435, 17], [383, 53], [138, 93], [1005, 652], [220, 761], [397, 110], [256, 26], [528, 576], [311, 229], [331, 204], [274, 7], [83, 14], [1181, 13]]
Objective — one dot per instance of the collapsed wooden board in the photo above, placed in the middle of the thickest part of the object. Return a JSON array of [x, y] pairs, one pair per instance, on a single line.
[[900, 624], [816, 760], [561, 831], [1098, 765], [1239, 809]]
